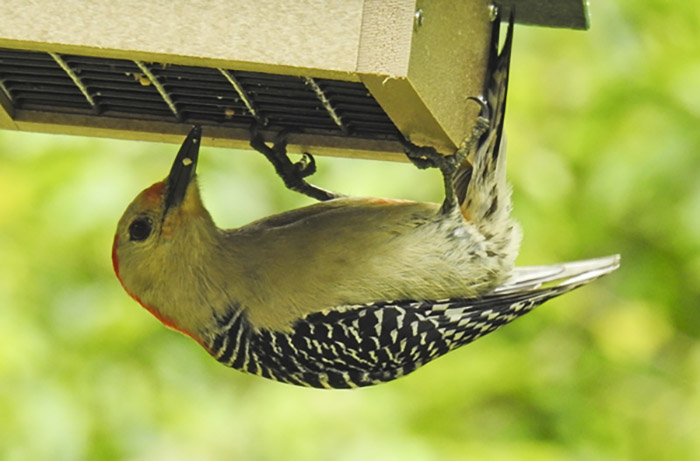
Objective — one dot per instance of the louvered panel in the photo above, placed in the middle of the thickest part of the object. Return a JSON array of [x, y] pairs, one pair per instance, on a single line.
[[187, 94]]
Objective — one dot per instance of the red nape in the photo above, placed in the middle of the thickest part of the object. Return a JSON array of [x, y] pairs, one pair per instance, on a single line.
[[164, 320], [155, 191]]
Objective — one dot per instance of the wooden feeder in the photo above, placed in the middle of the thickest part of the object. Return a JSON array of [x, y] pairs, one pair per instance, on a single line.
[[345, 75]]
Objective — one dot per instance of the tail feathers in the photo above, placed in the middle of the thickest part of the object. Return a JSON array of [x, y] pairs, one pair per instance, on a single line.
[[463, 321], [570, 275], [481, 186]]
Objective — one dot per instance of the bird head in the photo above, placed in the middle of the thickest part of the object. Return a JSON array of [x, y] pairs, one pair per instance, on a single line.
[[157, 236]]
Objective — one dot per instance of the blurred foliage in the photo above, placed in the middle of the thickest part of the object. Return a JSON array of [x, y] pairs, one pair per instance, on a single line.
[[604, 158]]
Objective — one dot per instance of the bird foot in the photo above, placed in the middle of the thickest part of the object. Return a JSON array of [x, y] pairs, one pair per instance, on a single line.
[[483, 122], [428, 157], [292, 174]]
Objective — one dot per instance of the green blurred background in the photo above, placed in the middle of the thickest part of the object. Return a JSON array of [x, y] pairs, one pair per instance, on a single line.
[[604, 157]]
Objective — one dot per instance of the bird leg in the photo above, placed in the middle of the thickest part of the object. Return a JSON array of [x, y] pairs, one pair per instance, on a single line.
[[292, 174], [428, 157]]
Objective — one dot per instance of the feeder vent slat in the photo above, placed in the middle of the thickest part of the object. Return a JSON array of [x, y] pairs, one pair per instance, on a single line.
[[106, 87]]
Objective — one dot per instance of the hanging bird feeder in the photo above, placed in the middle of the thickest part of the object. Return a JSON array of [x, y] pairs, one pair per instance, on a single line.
[[344, 76]]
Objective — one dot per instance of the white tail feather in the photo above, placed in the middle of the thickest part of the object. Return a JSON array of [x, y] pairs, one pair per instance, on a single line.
[[572, 274]]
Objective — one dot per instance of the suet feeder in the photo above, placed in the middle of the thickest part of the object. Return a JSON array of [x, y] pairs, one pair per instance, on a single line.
[[344, 75]]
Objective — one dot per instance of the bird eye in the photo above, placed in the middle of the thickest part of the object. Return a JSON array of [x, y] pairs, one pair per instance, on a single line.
[[140, 229]]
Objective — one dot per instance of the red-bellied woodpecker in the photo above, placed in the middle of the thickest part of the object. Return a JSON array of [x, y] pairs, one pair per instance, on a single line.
[[347, 292]]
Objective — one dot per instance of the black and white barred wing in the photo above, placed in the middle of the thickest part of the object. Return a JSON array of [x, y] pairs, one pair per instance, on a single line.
[[361, 345], [352, 346]]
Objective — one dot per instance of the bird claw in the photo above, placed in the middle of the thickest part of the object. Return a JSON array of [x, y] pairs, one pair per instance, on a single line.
[[485, 109], [482, 124], [292, 174], [306, 166]]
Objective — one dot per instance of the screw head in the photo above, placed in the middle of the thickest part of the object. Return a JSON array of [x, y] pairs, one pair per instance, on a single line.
[[493, 12], [418, 19]]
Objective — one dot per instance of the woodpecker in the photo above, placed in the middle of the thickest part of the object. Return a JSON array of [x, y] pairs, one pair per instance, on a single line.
[[347, 292]]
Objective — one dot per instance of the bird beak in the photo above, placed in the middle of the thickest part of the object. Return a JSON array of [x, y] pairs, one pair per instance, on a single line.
[[183, 170]]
